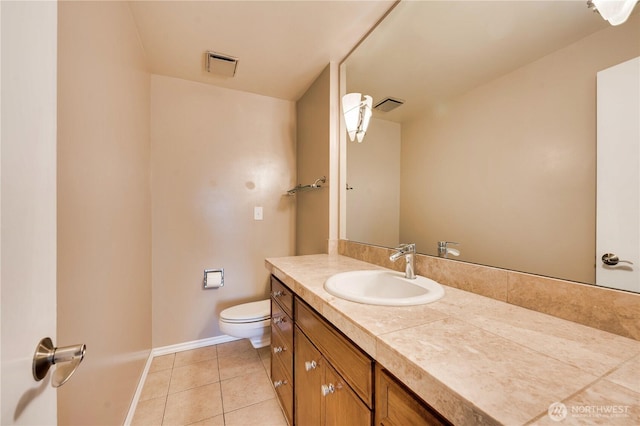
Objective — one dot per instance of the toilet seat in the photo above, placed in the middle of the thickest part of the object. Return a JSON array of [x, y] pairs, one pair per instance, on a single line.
[[247, 312]]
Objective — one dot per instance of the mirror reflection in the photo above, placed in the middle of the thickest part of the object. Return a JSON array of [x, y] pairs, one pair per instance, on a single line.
[[493, 145]]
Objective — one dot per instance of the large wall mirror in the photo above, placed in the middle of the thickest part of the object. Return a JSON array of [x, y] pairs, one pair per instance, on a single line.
[[494, 144]]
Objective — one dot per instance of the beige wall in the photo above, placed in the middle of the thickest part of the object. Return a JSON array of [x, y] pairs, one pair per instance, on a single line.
[[514, 185], [313, 116], [216, 154], [104, 232], [379, 152]]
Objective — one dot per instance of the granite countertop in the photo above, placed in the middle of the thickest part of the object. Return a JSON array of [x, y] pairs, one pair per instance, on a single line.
[[478, 360]]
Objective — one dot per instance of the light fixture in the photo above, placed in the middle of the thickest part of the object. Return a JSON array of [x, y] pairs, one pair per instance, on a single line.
[[614, 11], [357, 113]]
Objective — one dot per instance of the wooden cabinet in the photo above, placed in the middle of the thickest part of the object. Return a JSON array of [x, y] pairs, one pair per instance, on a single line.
[[282, 345], [398, 406], [342, 405], [334, 378], [309, 373]]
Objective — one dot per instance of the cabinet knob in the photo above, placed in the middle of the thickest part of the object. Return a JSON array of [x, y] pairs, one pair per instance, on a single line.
[[279, 383], [277, 293], [278, 320], [279, 349], [327, 389], [310, 365]]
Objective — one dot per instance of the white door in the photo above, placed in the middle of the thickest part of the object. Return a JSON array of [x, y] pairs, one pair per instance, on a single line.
[[28, 34], [618, 182]]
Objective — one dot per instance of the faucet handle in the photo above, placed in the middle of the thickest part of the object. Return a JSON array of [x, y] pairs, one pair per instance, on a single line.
[[446, 243], [406, 247]]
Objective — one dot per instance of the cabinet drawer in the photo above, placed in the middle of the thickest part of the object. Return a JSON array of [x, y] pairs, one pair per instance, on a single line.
[[284, 388], [398, 406], [282, 348], [281, 294], [350, 361], [281, 321]]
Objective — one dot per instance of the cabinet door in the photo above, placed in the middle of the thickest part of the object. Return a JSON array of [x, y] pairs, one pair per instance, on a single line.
[[342, 405], [309, 372], [397, 406]]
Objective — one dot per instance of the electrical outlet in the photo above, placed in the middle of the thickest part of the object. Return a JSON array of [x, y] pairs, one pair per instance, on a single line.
[[257, 213]]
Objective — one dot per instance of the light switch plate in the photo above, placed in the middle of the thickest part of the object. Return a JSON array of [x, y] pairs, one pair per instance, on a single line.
[[257, 213]]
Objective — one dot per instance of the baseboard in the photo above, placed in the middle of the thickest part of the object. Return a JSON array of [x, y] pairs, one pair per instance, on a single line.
[[165, 350], [195, 344]]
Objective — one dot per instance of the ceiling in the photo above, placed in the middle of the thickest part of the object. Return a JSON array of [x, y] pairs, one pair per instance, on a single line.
[[282, 46]]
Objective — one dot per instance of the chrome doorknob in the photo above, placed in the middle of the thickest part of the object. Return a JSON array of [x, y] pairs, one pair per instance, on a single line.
[[612, 260], [67, 358]]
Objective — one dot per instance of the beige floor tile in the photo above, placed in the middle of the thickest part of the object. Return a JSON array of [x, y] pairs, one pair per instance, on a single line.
[[163, 362], [265, 352], [236, 348], [195, 355], [193, 405], [213, 421], [265, 356], [194, 375], [240, 365], [156, 385], [266, 363], [149, 412], [266, 413], [245, 390]]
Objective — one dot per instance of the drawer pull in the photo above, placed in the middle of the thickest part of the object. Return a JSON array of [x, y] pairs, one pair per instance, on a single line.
[[279, 320], [278, 293], [310, 365], [279, 383], [327, 389], [279, 349]]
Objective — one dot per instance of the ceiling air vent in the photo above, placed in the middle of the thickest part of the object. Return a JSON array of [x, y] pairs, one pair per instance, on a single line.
[[220, 64], [388, 104]]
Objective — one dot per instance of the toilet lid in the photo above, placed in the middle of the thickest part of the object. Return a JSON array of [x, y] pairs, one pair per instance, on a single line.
[[252, 311]]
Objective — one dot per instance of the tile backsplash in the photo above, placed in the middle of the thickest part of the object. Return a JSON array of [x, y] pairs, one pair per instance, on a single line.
[[606, 309]]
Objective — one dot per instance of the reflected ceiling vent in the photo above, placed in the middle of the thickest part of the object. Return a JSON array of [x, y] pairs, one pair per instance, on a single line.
[[220, 64], [388, 104]]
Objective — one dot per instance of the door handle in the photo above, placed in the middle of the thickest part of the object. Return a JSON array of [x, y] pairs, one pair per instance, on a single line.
[[612, 260], [67, 358]]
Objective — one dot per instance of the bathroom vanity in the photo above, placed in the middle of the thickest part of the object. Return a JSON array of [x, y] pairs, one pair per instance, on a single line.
[[334, 378], [464, 359]]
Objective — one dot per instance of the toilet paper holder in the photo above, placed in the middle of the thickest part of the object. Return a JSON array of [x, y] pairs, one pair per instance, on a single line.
[[213, 278]]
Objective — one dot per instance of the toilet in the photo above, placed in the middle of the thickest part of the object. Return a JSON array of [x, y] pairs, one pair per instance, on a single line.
[[249, 321]]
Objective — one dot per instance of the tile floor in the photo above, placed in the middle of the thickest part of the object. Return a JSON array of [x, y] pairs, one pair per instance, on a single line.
[[226, 384]]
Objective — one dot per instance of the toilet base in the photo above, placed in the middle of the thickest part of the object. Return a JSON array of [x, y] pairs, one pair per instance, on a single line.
[[261, 341]]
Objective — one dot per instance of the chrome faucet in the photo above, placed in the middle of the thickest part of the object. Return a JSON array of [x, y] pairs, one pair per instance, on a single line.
[[408, 251], [444, 250]]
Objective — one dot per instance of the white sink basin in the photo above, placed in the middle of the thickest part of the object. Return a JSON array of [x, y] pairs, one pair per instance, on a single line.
[[378, 287]]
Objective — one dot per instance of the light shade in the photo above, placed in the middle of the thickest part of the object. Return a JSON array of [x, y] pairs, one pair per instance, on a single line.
[[614, 11], [357, 113]]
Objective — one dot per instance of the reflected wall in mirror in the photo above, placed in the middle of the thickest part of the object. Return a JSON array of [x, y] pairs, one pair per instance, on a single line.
[[495, 145]]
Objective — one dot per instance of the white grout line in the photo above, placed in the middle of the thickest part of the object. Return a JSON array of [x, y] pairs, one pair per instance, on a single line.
[[165, 350]]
